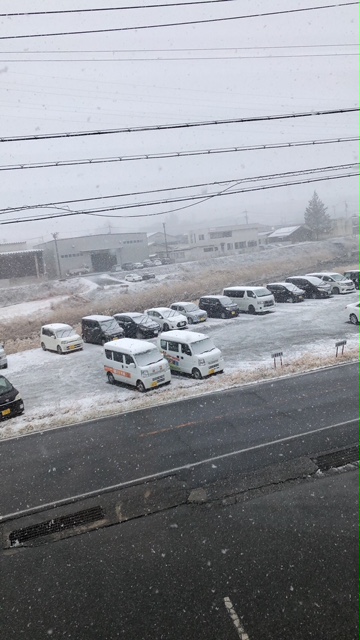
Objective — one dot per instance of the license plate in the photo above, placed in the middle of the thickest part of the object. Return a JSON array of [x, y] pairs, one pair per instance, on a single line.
[[202, 319], [211, 372], [6, 412], [233, 313], [72, 347], [154, 384]]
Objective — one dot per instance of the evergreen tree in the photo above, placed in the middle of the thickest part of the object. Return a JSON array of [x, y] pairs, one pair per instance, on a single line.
[[316, 217]]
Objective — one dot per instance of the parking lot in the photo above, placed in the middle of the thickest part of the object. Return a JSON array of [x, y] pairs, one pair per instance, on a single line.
[[75, 384]]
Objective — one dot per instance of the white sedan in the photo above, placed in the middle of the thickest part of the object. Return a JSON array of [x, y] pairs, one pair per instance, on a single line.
[[352, 312], [167, 318], [133, 277]]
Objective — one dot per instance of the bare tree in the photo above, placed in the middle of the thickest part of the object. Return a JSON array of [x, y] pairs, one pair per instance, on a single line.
[[316, 217]]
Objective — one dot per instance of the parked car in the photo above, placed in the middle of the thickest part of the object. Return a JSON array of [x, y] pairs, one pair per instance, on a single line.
[[337, 282], [116, 268], [133, 277], [251, 299], [286, 292], [60, 337], [137, 325], [354, 276], [100, 329], [313, 287], [11, 402], [167, 318], [148, 263], [157, 262], [147, 276], [352, 312], [80, 271], [138, 265], [3, 358], [219, 307], [193, 314], [137, 363], [167, 261], [127, 266], [191, 353]]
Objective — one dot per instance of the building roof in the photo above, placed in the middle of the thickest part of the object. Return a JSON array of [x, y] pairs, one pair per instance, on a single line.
[[20, 253], [284, 231]]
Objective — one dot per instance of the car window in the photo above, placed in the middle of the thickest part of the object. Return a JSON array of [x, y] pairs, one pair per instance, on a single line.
[[129, 359], [250, 294], [118, 357], [163, 344], [108, 354], [173, 346], [185, 349]]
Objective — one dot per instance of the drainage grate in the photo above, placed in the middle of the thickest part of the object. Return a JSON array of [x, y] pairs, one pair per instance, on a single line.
[[337, 458], [56, 525]]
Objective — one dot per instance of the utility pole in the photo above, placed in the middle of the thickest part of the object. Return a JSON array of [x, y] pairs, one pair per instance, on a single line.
[[55, 236], [246, 216], [165, 238]]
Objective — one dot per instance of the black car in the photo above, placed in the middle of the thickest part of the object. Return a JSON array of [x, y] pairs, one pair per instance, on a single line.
[[137, 325], [147, 276], [219, 306], [312, 286], [286, 292], [11, 403], [127, 266], [354, 276], [100, 329]]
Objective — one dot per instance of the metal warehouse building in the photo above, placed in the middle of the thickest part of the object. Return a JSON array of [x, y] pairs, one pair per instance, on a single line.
[[16, 261], [97, 253]]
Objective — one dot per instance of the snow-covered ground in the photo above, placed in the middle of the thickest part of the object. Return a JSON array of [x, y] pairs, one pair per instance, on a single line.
[[31, 309], [66, 389]]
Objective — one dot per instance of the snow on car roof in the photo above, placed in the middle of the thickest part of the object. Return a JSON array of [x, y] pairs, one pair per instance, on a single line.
[[160, 309], [130, 345], [130, 314], [184, 336], [56, 325], [97, 318], [324, 273], [284, 284], [242, 286], [183, 303]]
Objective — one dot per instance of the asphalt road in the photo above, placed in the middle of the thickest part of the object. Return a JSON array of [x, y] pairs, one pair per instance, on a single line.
[[265, 423], [281, 567]]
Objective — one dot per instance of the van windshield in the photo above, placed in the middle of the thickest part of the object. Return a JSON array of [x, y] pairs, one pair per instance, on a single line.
[[148, 357], [262, 292], [337, 277], [65, 333], [109, 326], [202, 346]]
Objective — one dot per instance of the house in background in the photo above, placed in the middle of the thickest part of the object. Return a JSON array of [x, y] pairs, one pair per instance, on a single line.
[[291, 235]]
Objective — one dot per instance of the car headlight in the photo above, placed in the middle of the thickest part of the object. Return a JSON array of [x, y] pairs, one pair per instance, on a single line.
[[145, 374], [201, 362], [18, 396]]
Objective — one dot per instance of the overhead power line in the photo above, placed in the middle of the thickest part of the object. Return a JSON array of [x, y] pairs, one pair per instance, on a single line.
[[178, 24], [160, 213], [174, 154], [179, 59], [230, 181], [178, 50], [181, 125]]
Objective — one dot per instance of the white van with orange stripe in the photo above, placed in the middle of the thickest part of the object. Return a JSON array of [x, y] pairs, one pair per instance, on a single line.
[[135, 362]]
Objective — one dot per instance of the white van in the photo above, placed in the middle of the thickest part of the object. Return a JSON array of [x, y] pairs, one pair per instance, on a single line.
[[251, 299], [59, 337], [192, 353], [3, 358], [135, 362]]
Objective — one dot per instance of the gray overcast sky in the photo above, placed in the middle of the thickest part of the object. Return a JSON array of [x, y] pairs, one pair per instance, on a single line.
[[40, 96]]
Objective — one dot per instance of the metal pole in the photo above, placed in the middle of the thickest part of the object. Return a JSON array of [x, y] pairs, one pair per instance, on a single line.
[[165, 238], [55, 236]]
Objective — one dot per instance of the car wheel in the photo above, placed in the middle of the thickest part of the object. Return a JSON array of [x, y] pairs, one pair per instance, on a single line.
[[336, 290], [138, 335], [43, 346], [314, 295], [110, 377], [290, 300], [353, 319], [190, 321], [165, 327], [196, 374], [103, 340], [140, 386], [223, 315], [84, 338], [59, 350], [251, 309]]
